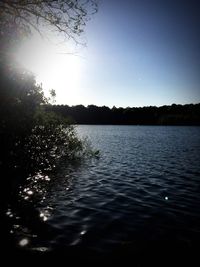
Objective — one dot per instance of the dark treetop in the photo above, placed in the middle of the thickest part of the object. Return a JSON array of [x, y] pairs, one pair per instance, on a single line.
[[165, 115]]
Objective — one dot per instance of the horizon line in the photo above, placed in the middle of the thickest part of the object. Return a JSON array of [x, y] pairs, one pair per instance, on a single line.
[[86, 106]]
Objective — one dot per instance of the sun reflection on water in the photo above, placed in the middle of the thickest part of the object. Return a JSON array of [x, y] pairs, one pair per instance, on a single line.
[[30, 212], [45, 214], [23, 242]]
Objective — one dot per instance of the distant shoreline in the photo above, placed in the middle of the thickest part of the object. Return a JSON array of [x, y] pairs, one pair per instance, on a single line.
[[137, 125], [174, 115]]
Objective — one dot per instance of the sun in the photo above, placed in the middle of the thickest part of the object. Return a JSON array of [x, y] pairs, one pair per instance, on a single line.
[[53, 68], [60, 72]]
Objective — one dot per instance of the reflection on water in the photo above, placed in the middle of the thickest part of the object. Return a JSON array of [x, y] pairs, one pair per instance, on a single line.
[[23, 242], [145, 186]]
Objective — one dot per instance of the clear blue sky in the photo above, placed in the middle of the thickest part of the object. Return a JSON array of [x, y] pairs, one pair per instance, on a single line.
[[141, 53]]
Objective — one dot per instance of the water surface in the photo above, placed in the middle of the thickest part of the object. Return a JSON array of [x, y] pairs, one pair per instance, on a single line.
[[144, 187]]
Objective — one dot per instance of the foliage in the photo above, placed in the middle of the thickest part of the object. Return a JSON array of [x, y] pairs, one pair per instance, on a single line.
[[67, 17], [32, 138], [165, 115]]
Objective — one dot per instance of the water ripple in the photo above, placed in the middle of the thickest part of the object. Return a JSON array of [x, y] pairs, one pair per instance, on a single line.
[[144, 186]]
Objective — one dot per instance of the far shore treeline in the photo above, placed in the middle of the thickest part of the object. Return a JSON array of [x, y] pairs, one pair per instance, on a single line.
[[174, 114]]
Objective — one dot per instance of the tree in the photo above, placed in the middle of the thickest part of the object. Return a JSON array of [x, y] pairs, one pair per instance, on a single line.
[[30, 137], [67, 17]]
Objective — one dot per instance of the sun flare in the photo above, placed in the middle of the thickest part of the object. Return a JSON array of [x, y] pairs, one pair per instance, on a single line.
[[53, 68]]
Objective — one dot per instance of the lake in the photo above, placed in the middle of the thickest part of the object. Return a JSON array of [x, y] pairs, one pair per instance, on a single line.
[[144, 187]]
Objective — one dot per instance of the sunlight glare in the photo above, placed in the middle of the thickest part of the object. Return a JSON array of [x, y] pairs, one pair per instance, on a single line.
[[52, 67]]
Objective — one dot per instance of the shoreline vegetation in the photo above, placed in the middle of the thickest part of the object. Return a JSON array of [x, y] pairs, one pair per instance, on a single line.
[[188, 114], [32, 139]]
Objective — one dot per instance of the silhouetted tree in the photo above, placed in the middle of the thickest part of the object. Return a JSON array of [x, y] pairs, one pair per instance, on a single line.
[[165, 115], [31, 138], [67, 17]]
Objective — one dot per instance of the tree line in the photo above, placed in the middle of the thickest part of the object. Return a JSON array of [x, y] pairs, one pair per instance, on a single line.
[[174, 114]]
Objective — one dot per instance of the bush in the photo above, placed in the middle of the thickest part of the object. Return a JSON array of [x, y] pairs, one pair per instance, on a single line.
[[31, 138]]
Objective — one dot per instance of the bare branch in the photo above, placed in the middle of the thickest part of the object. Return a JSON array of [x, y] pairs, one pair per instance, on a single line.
[[68, 17]]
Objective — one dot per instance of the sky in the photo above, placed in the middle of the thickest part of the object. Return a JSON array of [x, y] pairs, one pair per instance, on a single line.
[[139, 53]]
